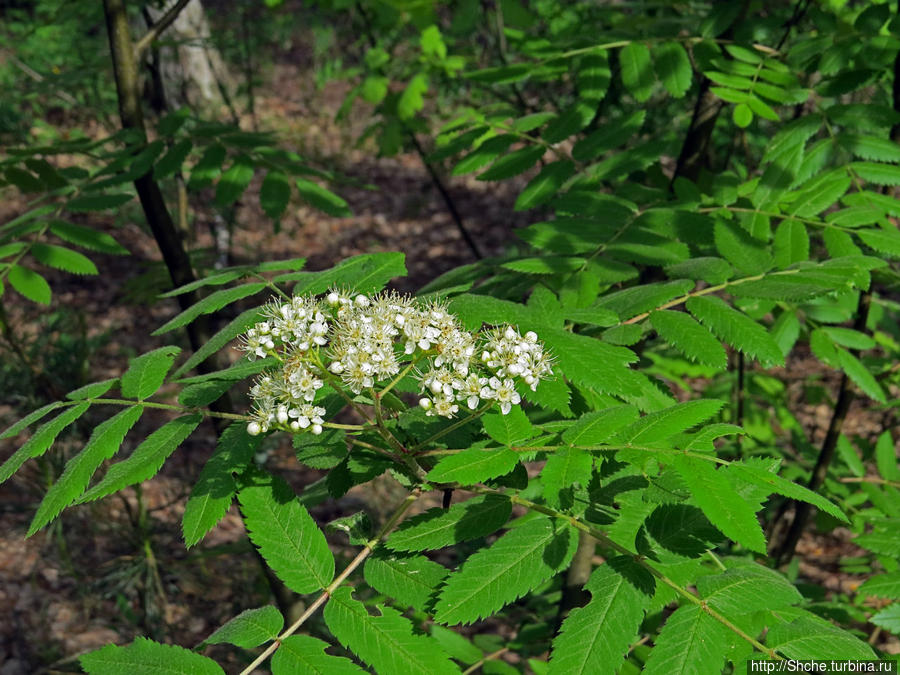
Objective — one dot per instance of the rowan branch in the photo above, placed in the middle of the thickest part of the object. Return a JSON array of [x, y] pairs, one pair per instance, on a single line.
[[157, 28]]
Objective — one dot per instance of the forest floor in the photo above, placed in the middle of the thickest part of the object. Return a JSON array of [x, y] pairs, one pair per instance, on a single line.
[[118, 568]]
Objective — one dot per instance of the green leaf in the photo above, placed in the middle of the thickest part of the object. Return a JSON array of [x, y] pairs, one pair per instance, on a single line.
[[513, 566], [860, 375], [742, 590], [323, 200], [103, 444], [287, 537], [364, 273], [691, 641], [819, 194], [473, 465], [147, 372], [385, 642], [250, 628], [724, 507], [208, 167], [881, 586], [543, 187], [613, 134], [565, 468], [791, 243], [709, 269], [146, 460], [558, 265], [437, 527], [484, 154], [148, 658], [215, 487], [61, 258], [86, 237], [411, 100], [217, 279], [211, 303], [234, 181], [673, 67], [883, 241], [886, 457], [513, 164], [600, 426], [99, 202], [92, 390], [873, 172], [172, 161], [592, 363], [805, 638], [689, 337], [42, 438], [274, 194], [775, 483], [570, 121], [410, 580], [637, 71], [747, 253], [203, 393], [509, 429], [305, 655], [594, 639], [682, 529], [457, 646], [742, 115], [662, 424], [30, 418], [593, 76], [736, 329], [888, 618], [30, 284]]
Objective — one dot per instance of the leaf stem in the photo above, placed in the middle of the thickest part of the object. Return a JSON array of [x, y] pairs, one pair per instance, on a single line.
[[370, 545]]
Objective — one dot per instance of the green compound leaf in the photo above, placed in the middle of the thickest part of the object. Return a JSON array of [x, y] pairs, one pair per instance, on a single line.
[[724, 507], [513, 164], [250, 628], [594, 639], [888, 618], [663, 424], [691, 641], [320, 198], [600, 426], [803, 638], [411, 580], [30, 284], [88, 238], [42, 439], [148, 658], [274, 194], [512, 567], [215, 487], [509, 429], [742, 590], [103, 444], [147, 372], [673, 67], [287, 537], [689, 337], [146, 460], [737, 329], [437, 527], [217, 279], [305, 655], [473, 466], [637, 71], [61, 258], [211, 303], [385, 642]]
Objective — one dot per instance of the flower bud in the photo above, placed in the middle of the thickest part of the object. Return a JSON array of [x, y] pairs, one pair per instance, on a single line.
[[253, 428], [425, 403], [333, 298], [316, 429]]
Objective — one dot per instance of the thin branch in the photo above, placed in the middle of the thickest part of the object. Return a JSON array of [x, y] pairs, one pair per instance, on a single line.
[[157, 29]]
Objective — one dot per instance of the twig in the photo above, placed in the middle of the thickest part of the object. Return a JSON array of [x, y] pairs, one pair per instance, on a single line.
[[156, 29], [370, 545]]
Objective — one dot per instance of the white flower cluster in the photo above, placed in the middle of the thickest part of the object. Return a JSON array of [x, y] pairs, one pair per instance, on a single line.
[[363, 341]]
